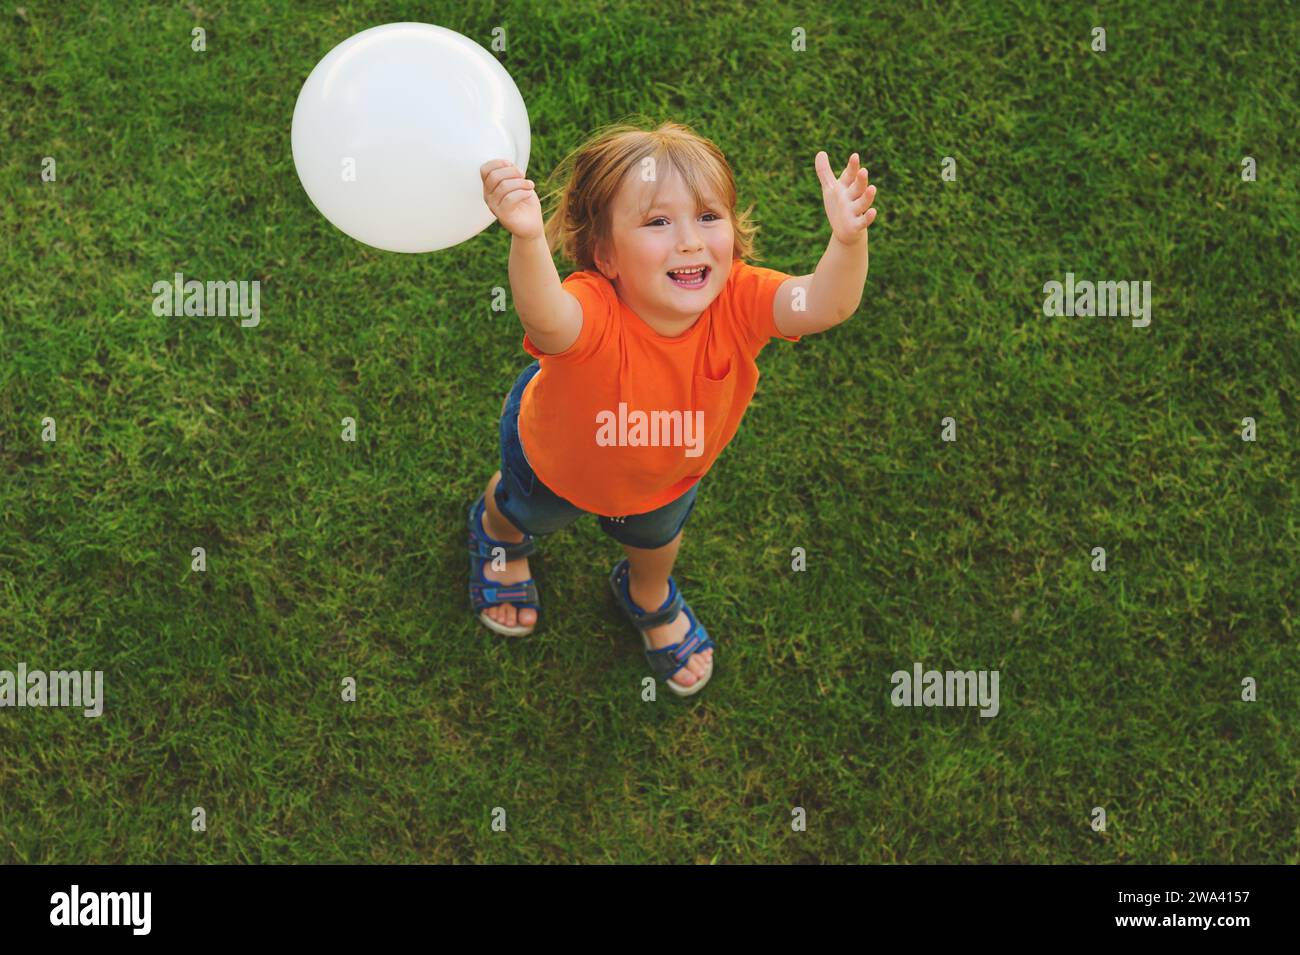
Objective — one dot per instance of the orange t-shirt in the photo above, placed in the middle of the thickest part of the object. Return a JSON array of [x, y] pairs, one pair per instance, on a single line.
[[625, 420]]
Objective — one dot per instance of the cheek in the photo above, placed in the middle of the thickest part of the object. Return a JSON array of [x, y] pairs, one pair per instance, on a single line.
[[649, 252]]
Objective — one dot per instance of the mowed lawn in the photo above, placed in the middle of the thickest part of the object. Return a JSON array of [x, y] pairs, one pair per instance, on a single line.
[[327, 559]]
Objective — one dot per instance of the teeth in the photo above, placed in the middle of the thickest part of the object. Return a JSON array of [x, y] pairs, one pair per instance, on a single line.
[[689, 271]]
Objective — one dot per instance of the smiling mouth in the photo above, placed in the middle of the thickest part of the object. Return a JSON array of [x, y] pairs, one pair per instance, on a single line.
[[697, 280]]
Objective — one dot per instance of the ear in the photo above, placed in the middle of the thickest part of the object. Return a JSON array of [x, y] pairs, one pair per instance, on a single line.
[[602, 264]]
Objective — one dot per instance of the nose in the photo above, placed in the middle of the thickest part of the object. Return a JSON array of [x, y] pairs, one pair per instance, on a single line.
[[689, 240]]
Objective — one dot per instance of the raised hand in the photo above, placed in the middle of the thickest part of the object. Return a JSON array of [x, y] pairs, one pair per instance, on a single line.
[[848, 199], [512, 198]]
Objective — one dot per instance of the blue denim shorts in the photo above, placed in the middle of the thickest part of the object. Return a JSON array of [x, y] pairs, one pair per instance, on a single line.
[[535, 509]]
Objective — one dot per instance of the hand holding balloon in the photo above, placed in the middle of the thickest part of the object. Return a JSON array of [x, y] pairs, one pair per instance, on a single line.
[[512, 199], [390, 127]]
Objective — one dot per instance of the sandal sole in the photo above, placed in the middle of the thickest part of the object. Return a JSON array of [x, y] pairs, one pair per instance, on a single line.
[[503, 629]]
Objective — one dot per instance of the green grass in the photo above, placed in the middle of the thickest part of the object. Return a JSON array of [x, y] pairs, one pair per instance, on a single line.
[[329, 560]]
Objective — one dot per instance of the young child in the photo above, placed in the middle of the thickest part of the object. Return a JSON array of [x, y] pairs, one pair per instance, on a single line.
[[646, 364]]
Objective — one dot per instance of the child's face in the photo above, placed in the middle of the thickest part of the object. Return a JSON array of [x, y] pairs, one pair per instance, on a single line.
[[671, 234]]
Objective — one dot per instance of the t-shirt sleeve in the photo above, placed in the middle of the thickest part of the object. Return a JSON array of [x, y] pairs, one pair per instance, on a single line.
[[599, 304], [753, 296]]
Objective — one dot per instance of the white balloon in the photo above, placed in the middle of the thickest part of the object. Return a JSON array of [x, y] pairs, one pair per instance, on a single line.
[[410, 111]]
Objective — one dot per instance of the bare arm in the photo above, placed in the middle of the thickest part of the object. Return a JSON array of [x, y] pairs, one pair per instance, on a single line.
[[807, 304], [551, 316], [830, 295]]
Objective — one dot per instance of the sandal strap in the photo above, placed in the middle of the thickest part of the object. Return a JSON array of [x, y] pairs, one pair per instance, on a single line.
[[665, 615], [666, 661], [648, 619], [522, 594], [481, 545], [485, 548]]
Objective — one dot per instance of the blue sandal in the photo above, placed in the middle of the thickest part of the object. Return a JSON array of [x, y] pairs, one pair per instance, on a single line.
[[665, 661], [484, 593]]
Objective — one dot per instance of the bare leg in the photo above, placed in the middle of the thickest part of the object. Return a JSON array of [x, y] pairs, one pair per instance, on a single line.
[[496, 526]]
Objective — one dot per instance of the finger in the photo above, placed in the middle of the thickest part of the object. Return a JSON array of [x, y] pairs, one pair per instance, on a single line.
[[859, 185], [500, 174], [490, 165], [865, 201], [518, 196], [850, 171], [507, 186], [824, 174], [511, 199], [863, 195]]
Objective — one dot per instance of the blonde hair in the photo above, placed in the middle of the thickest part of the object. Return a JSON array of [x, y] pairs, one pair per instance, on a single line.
[[581, 209]]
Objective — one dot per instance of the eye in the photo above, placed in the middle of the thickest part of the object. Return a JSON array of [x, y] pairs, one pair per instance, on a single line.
[[661, 218]]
